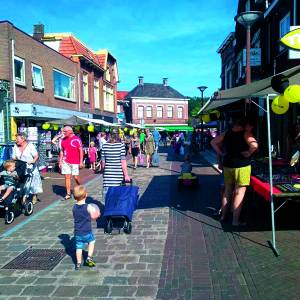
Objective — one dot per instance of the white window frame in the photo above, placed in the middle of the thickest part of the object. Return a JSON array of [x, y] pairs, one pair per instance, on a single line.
[[162, 112], [107, 74], [21, 81], [149, 111], [247, 5], [140, 112], [96, 94], [34, 84], [284, 28], [178, 109], [170, 111], [71, 87], [85, 87]]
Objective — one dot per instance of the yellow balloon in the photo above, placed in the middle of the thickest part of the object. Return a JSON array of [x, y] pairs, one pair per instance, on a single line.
[[280, 105], [205, 118], [125, 129], [91, 128], [55, 127], [46, 126], [292, 93], [130, 132]]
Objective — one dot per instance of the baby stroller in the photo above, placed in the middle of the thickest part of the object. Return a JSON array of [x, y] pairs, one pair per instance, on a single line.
[[12, 205], [187, 180]]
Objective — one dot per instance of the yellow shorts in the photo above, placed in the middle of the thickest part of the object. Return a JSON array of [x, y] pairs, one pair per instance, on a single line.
[[237, 176]]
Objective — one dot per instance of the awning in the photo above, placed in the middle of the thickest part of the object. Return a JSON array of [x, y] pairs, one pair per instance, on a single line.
[[75, 120], [259, 88], [177, 128]]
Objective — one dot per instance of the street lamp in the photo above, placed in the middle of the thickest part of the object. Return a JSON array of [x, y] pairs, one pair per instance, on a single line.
[[247, 19], [202, 88]]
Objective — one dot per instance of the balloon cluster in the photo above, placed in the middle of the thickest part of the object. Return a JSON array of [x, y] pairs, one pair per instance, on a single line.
[[288, 94], [47, 126]]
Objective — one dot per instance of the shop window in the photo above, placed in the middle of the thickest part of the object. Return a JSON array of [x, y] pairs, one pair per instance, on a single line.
[[19, 66], [85, 87], [149, 112], [63, 85], [96, 93], [159, 112], [179, 112], [170, 112], [37, 77]]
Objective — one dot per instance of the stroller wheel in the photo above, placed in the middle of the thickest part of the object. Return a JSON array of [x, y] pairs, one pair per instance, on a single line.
[[128, 228], [108, 227], [9, 217], [28, 208]]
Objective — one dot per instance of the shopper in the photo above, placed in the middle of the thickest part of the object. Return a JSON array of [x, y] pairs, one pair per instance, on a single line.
[[27, 152], [82, 227], [114, 163], [234, 149], [70, 158], [134, 149], [149, 147], [92, 153]]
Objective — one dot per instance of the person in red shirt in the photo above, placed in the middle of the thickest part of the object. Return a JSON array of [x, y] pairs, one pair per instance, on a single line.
[[70, 158]]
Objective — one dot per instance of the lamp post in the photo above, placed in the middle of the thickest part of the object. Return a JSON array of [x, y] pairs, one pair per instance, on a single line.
[[247, 19], [4, 86], [202, 88]]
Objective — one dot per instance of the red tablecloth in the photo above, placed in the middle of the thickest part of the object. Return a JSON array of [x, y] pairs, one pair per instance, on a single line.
[[263, 188]]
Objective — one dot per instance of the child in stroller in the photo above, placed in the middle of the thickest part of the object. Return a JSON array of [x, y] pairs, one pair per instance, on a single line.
[[16, 180], [187, 178], [9, 176]]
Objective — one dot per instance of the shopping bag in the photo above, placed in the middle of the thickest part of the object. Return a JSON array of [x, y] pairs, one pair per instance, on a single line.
[[155, 159], [141, 158]]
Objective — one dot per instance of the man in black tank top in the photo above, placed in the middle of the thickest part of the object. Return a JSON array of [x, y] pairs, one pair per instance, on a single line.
[[234, 149]]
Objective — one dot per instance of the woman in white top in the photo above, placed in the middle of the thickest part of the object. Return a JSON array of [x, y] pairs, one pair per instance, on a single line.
[[25, 151]]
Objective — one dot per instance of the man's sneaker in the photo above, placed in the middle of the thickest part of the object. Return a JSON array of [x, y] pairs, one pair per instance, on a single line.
[[77, 266], [90, 263]]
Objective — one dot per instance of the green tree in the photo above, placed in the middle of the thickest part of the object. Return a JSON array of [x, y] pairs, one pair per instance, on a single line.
[[194, 104]]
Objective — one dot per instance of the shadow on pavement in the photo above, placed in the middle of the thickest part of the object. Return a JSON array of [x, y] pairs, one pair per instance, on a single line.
[[69, 244]]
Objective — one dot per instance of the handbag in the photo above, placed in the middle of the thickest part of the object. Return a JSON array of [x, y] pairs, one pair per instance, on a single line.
[[141, 158]]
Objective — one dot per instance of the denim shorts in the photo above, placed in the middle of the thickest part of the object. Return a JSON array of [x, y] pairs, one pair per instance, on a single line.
[[81, 240]]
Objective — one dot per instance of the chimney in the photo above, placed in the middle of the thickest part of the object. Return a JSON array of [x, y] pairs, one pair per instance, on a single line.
[[141, 80], [165, 81], [38, 32]]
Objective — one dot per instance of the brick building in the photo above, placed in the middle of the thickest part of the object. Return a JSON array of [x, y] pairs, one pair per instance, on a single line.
[[156, 104], [44, 83]]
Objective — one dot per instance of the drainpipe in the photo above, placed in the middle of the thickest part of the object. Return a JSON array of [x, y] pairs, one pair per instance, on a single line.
[[13, 87], [295, 13], [79, 93]]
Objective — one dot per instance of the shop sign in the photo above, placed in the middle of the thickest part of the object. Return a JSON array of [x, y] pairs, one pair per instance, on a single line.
[[45, 112], [255, 57], [294, 54], [292, 39]]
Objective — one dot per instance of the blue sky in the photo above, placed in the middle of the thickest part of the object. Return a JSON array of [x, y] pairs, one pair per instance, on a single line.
[[176, 39]]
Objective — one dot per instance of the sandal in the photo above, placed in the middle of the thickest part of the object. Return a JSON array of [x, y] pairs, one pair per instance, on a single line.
[[67, 197]]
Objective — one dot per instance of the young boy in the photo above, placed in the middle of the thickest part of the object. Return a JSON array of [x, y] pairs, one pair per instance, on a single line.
[[83, 227], [9, 176], [186, 167]]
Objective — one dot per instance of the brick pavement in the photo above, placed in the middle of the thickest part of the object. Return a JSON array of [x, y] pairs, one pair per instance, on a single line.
[[177, 250]]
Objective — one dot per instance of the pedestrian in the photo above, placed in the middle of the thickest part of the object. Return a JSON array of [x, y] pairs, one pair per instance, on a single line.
[[92, 152], [70, 158], [114, 163], [142, 138], [134, 148], [234, 149], [156, 137], [83, 227], [149, 147], [27, 152]]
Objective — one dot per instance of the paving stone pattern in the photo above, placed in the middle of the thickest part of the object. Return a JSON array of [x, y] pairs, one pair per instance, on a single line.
[[177, 249]]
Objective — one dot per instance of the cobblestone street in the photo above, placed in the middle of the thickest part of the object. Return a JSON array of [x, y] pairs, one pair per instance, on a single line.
[[177, 249]]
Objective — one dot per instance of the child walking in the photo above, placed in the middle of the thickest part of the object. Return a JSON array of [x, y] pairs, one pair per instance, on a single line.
[[92, 156], [83, 227]]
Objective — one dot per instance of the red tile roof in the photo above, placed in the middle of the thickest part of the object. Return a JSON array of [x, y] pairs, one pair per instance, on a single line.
[[121, 95], [70, 46], [102, 60]]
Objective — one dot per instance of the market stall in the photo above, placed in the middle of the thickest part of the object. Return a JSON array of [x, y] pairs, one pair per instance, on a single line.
[[262, 89]]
